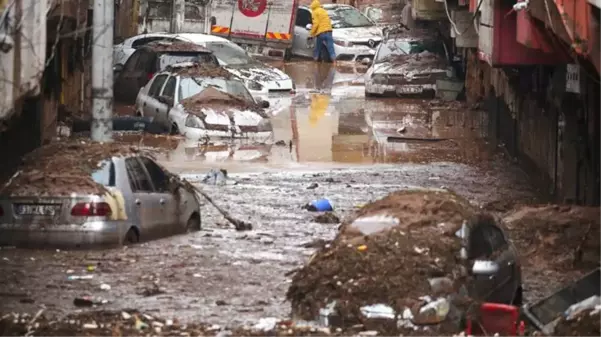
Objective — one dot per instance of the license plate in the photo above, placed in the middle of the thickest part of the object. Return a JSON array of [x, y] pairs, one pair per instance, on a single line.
[[409, 90], [44, 210]]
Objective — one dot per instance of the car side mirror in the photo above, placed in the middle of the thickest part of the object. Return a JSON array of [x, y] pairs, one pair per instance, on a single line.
[[166, 100], [265, 104], [485, 267], [308, 26]]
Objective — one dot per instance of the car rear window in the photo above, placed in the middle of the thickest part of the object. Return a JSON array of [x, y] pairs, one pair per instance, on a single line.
[[168, 59], [105, 174]]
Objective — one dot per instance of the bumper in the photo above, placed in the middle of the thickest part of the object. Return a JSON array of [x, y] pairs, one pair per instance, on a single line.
[[403, 89], [199, 134], [355, 53], [101, 233]]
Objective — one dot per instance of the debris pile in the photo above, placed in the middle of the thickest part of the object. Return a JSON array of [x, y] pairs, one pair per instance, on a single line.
[[585, 323], [557, 237], [400, 253], [217, 100], [63, 168]]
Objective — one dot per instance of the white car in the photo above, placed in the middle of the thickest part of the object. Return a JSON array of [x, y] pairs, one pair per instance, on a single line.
[[260, 79], [355, 36], [199, 103]]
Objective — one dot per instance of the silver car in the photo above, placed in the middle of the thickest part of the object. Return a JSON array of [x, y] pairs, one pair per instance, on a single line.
[[141, 202]]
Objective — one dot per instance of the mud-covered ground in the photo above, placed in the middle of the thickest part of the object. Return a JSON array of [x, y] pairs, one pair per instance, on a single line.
[[324, 146]]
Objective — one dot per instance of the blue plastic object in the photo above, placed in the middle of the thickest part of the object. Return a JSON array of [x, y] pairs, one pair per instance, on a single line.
[[321, 205]]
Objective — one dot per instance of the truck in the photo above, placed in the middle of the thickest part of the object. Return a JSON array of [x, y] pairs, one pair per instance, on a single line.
[[262, 27], [22, 56]]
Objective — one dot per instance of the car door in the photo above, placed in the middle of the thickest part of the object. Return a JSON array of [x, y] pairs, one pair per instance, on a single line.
[[142, 191], [163, 108], [125, 80], [166, 211], [302, 44], [150, 106]]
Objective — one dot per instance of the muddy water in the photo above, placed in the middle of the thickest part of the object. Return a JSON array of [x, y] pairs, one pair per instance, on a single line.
[[329, 135]]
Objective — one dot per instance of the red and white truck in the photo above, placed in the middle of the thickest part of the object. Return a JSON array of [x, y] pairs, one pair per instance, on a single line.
[[262, 27]]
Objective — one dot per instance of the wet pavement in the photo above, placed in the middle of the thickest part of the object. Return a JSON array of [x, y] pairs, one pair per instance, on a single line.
[[327, 134]]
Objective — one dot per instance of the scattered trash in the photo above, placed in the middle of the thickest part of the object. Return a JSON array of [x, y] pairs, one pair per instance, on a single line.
[[362, 248], [588, 304], [402, 129], [421, 250], [327, 218], [105, 286], [441, 285], [313, 186], [125, 315], [321, 205], [91, 268], [87, 301], [280, 143], [90, 326], [215, 177], [79, 277], [238, 224], [378, 311], [374, 224], [433, 312], [266, 324], [368, 333], [327, 314], [139, 324]]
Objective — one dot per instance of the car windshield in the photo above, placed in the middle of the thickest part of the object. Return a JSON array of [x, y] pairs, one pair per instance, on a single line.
[[229, 53], [194, 85], [348, 17], [394, 48], [168, 59]]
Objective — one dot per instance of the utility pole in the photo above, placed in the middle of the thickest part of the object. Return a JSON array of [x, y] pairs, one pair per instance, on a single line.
[[102, 71], [178, 13]]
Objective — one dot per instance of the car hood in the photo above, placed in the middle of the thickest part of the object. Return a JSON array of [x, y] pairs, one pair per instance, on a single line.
[[410, 66], [268, 76], [360, 34]]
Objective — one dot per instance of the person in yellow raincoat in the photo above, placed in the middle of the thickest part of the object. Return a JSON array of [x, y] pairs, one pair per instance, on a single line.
[[322, 31]]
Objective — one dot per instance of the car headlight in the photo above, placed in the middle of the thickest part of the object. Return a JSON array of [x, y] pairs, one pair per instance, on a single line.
[[193, 121], [254, 85], [343, 43], [265, 125], [379, 79]]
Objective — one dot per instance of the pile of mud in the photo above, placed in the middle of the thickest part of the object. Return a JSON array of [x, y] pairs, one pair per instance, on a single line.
[[386, 254], [219, 101], [561, 237], [63, 168], [203, 70], [587, 323], [134, 323]]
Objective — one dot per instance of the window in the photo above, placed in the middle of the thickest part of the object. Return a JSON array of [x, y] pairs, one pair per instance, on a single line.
[[105, 175], [138, 179], [303, 18], [169, 89], [130, 65], [157, 175], [157, 84], [229, 53]]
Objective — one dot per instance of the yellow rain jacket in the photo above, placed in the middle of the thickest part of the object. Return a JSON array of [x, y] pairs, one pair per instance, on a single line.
[[321, 19]]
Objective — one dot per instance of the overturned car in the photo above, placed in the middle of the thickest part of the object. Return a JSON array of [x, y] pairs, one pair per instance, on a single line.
[[417, 262], [408, 66]]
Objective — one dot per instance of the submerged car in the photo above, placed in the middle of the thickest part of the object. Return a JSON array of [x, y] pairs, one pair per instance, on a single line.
[[79, 195], [152, 58], [408, 66], [201, 102], [260, 79], [355, 36]]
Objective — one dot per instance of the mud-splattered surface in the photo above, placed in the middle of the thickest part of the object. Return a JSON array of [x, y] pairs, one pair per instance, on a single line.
[[325, 136]]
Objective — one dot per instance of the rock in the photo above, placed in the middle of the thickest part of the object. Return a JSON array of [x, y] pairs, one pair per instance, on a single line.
[[220, 302], [313, 186], [327, 218]]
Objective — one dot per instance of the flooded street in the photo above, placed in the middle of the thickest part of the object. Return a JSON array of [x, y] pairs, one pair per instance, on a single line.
[[352, 150]]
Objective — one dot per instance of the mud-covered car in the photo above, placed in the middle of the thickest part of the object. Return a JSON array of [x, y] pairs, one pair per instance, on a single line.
[[201, 102], [152, 58], [408, 66], [421, 259], [78, 195]]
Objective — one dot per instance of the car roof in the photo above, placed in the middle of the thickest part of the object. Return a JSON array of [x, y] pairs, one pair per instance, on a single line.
[[132, 39], [199, 38], [189, 69], [174, 46], [336, 6]]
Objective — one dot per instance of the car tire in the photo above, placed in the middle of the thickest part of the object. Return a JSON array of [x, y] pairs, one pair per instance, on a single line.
[[132, 236], [174, 130], [194, 224]]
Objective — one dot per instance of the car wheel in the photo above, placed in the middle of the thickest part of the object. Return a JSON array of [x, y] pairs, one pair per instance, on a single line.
[[194, 223], [132, 236]]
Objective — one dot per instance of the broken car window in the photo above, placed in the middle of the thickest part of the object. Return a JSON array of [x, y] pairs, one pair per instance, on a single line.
[[157, 175], [394, 48], [348, 17], [138, 178], [193, 86], [229, 53], [105, 175], [157, 84]]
